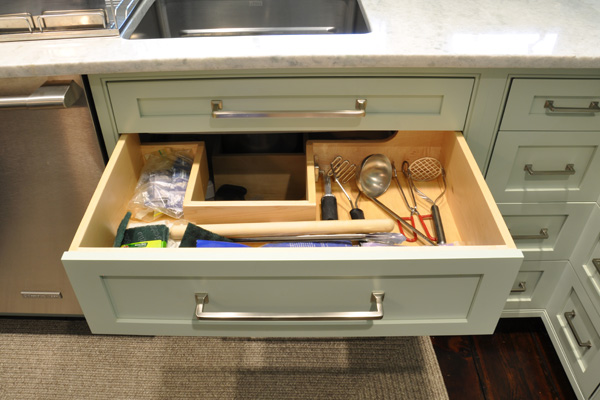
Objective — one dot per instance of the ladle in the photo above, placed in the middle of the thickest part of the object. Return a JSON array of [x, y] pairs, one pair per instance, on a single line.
[[374, 179]]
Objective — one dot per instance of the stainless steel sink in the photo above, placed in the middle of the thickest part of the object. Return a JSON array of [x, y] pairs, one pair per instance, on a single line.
[[193, 18]]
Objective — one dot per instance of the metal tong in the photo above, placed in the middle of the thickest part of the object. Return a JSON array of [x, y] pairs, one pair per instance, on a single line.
[[413, 209]]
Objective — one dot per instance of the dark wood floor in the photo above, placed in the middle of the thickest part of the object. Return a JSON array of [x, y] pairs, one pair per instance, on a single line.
[[517, 362]]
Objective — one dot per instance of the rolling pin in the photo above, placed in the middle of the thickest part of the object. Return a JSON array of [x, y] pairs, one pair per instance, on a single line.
[[260, 229]]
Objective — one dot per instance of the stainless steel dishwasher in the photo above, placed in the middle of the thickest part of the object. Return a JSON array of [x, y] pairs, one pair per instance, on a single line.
[[50, 163]]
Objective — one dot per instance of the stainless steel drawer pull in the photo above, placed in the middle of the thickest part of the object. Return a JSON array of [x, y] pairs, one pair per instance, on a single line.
[[569, 170], [360, 111], [522, 287], [202, 299], [543, 235], [593, 108], [569, 315], [46, 96], [596, 262]]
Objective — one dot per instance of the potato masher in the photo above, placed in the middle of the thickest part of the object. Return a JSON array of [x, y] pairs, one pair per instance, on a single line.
[[342, 172], [424, 170]]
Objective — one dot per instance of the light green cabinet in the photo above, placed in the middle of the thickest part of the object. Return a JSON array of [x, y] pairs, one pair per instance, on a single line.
[[456, 289], [544, 175]]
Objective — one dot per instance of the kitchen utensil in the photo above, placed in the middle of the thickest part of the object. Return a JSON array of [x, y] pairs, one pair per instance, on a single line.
[[290, 228], [343, 172], [413, 209], [424, 170], [328, 200], [374, 179], [387, 238]]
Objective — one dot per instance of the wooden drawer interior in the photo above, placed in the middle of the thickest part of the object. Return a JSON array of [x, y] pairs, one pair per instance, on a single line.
[[468, 211]]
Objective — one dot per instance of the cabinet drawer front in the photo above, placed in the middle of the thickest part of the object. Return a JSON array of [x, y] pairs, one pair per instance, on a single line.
[[578, 328], [547, 231], [184, 105], [158, 296], [461, 288], [575, 101], [586, 258], [535, 283], [545, 166]]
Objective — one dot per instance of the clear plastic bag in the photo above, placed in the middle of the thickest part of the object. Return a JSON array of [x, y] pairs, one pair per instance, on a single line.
[[162, 184]]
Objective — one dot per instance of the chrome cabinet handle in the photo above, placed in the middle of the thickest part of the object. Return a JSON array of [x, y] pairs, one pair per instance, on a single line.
[[596, 262], [202, 299], [522, 288], [569, 315], [46, 96], [359, 111], [543, 235], [593, 108], [569, 170]]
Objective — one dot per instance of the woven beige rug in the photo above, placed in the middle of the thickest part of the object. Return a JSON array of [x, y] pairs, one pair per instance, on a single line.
[[59, 359]]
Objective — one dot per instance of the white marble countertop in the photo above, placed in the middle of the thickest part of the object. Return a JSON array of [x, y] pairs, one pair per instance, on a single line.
[[404, 33]]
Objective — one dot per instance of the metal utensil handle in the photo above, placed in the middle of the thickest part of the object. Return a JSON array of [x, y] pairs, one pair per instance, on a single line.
[[202, 299], [569, 316], [46, 96], [522, 287], [569, 170], [360, 111], [596, 262], [437, 224], [402, 221], [594, 107], [543, 235]]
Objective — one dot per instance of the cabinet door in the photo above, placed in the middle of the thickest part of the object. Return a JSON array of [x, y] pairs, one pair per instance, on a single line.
[[544, 166]]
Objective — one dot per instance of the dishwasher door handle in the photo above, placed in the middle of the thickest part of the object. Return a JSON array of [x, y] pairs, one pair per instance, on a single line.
[[46, 96]]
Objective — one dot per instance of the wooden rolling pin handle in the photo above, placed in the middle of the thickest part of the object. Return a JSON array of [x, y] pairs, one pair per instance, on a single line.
[[259, 229]]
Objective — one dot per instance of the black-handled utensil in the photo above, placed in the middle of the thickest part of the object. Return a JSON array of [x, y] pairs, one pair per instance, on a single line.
[[328, 202], [344, 172]]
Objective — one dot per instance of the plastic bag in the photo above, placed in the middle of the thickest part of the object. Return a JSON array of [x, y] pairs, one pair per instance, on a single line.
[[162, 184]]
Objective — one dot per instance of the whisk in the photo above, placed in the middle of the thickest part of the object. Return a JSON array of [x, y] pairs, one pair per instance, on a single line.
[[342, 172], [424, 170]]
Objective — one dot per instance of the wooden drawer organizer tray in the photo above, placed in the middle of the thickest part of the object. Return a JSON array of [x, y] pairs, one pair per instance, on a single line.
[[468, 211], [281, 187]]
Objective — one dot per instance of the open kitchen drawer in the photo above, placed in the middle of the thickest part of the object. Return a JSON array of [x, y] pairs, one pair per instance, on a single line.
[[410, 289]]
